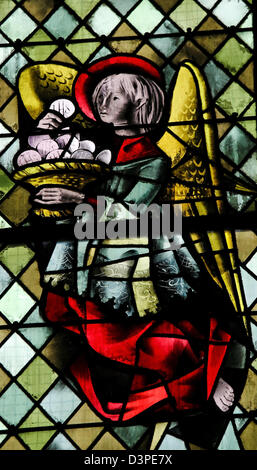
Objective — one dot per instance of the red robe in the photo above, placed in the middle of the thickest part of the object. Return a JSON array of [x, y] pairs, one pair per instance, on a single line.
[[142, 347]]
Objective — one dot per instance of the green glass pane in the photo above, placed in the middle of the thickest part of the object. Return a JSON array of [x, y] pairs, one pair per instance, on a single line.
[[15, 303], [234, 100], [3, 223], [250, 125], [6, 7], [247, 37], [40, 36], [18, 26], [233, 55], [12, 67], [14, 404], [145, 17], [103, 20], [61, 23], [82, 8], [5, 184], [229, 14], [15, 257], [37, 378], [36, 440], [188, 15], [15, 353], [36, 419], [38, 53], [83, 51]]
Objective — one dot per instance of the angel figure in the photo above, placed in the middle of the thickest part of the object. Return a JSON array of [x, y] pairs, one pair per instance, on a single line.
[[162, 327]]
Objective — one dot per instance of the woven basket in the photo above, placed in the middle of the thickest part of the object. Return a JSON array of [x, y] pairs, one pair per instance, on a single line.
[[71, 174]]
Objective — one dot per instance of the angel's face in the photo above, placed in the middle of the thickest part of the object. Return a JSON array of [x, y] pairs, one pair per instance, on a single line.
[[114, 105]]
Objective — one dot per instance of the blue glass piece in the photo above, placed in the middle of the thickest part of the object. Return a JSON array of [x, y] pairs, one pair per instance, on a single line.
[[229, 15], [62, 257], [60, 442], [36, 335], [103, 20], [168, 72], [167, 45], [229, 440], [14, 404], [4, 53], [115, 293], [123, 6], [207, 3], [82, 281], [103, 52], [236, 145], [60, 402], [12, 67], [130, 434], [217, 79], [61, 23], [15, 353], [6, 160], [172, 443], [5, 279], [238, 201], [250, 287], [239, 422], [254, 334]]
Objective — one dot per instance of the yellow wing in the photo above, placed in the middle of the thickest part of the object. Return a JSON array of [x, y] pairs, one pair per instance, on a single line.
[[190, 142], [40, 84]]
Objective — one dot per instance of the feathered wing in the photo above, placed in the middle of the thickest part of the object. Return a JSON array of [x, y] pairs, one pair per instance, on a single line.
[[40, 84], [190, 142]]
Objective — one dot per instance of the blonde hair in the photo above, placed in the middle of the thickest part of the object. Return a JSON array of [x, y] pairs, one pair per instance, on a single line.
[[136, 87]]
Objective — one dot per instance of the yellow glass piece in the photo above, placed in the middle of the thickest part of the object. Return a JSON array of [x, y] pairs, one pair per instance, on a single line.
[[142, 267], [84, 416], [248, 399], [145, 297], [12, 444], [108, 442], [216, 241], [248, 436], [42, 83], [127, 241], [84, 437], [114, 270], [158, 433], [91, 255]]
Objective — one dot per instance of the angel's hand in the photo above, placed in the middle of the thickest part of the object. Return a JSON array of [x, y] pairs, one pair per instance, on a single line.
[[48, 196], [50, 121]]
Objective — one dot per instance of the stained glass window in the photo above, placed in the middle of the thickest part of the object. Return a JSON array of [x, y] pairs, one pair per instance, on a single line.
[[42, 406]]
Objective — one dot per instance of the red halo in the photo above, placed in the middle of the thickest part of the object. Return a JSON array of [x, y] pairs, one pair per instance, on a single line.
[[86, 82]]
